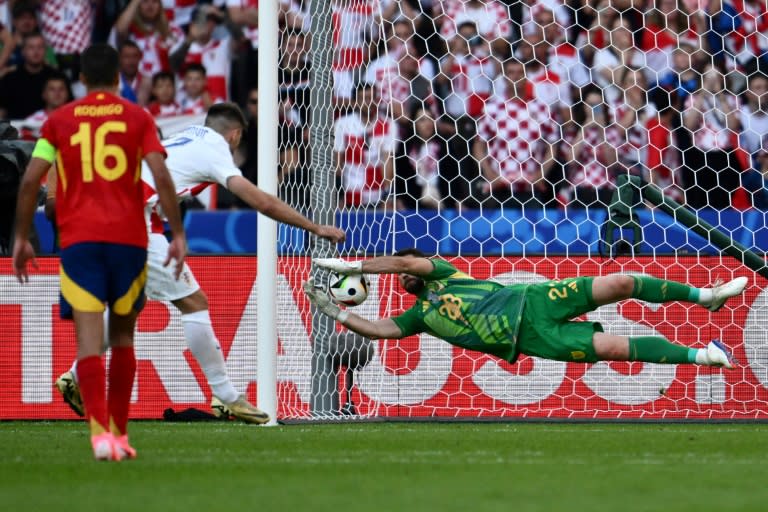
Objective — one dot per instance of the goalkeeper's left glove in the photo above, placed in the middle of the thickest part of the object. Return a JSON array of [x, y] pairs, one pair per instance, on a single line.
[[339, 265], [318, 297]]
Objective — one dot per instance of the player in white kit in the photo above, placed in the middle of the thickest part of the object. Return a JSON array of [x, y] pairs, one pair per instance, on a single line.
[[198, 157]]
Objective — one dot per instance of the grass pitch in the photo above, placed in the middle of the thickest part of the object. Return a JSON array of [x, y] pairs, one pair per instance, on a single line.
[[390, 467]]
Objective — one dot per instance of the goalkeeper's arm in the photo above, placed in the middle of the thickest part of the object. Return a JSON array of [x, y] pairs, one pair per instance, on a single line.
[[380, 265], [384, 328]]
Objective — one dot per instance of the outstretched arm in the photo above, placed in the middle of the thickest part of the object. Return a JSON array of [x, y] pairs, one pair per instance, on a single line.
[[384, 328], [382, 265], [278, 210]]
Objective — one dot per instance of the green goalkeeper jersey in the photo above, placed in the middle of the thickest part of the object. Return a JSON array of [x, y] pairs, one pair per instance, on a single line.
[[473, 314]]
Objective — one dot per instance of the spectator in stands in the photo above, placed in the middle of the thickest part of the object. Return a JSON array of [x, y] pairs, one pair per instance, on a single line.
[[591, 171], [631, 114], [753, 116], [610, 61], [356, 36], [712, 166], [464, 83], [385, 70], [491, 18], [294, 180], [144, 22], [133, 86], [400, 40], [409, 11], [179, 13], [426, 173], [597, 36], [294, 15], [244, 14], [200, 47], [407, 90], [364, 145], [663, 155], [194, 97], [546, 85], [67, 26], [21, 90], [250, 146], [24, 22], [668, 26], [558, 17], [684, 77], [592, 30], [514, 146], [564, 59], [737, 35], [466, 76], [56, 92], [163, 102], [6, 49], [293, 72]]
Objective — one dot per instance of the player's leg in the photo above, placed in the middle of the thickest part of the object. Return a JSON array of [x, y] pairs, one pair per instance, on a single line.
[[88, 328], [202, 342], [187, 296], [66, 383], [543, 335], [655, 349], [616, 287], [128, 275], [84, 284], [122, 372], [204, 345]]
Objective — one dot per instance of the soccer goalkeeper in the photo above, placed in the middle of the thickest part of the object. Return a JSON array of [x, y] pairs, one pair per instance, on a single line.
[[532, 319]]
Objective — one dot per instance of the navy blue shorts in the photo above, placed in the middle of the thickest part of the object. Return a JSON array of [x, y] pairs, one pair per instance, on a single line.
[[97, 273]]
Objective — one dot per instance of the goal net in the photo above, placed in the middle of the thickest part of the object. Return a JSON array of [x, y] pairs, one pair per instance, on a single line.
[[493, 134]]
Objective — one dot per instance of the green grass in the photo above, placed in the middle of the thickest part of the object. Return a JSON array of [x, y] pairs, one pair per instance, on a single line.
[[390, 467]]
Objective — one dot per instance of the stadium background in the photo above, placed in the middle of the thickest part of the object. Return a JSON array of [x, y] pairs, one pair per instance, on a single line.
[[400, 187]]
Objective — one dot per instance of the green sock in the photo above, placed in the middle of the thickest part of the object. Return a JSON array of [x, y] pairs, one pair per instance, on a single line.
[[655, 349], [651, 289]]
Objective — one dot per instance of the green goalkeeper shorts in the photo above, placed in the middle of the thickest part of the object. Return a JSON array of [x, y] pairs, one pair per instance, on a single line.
[[547, 329]]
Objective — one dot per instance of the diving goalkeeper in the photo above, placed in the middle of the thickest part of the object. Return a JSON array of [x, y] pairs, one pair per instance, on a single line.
[[532, 319]]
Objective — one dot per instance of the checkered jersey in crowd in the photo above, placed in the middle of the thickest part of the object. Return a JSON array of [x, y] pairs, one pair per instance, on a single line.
[[67, 24], [491, 18], [517, 132], [590, 168]]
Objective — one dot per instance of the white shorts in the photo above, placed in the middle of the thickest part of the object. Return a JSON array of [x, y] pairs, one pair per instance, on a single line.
[[161, 285]]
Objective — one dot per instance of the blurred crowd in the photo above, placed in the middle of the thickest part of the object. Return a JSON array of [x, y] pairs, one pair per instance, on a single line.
[[444, 103]]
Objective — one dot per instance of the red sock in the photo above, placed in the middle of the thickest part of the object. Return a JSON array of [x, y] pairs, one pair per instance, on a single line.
[[122, 371], [91, 378]]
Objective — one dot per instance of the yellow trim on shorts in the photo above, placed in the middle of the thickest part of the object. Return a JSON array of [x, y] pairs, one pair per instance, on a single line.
[[124, 305], [79, 298]]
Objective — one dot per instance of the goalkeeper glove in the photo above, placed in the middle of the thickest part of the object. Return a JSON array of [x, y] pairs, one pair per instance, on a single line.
[[339, 265], [317, 296]]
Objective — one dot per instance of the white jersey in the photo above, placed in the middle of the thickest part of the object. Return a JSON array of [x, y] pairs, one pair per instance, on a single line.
[[197, 158]]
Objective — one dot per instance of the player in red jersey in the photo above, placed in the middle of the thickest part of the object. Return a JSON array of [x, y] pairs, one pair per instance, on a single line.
[[98, 143]]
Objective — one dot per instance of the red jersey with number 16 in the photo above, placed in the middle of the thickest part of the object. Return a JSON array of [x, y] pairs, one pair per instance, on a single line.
[[100, 141]]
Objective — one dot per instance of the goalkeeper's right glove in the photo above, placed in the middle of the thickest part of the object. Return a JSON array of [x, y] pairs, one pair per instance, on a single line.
[[339, 265], [317, 296]]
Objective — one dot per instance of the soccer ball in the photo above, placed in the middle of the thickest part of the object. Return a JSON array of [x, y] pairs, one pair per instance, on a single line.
[[348, 290]]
